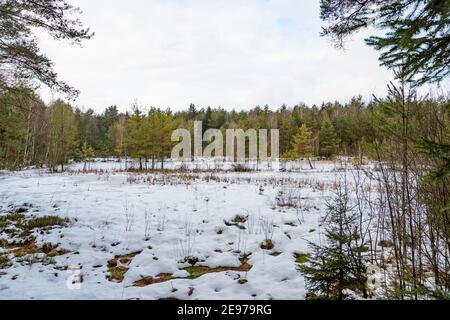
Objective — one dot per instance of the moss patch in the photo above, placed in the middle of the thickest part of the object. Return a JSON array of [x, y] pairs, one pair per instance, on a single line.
[[146, 281], [116, 274], [198, 271], [11, 219], [45, 222], [194, 273], [15, 216], [29, 246], [118, 266], [239, 219], [17, 224], [26, 250], [301, 258], [275, 254]]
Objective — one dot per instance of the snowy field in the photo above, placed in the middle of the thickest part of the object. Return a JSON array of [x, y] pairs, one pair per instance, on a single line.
[[171, 235]]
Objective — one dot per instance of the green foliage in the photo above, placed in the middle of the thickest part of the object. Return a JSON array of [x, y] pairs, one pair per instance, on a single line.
[[34, 134], [301, 144], [338, 264], [148, 136], [437, 151], [20, 58], [44, 222], [61, 135], [416, 39], [440, 294], [12, 130], [84, 154]]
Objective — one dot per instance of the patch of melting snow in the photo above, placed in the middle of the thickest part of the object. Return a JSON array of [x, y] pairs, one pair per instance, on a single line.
[[111, 218]]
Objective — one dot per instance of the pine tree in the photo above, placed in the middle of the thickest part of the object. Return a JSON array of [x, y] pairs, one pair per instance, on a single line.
[[328, 141], [160, 125], [12, 131], [21, 60], [439, 152], [62, 134], [85, 154], [136, 136], [339, 264], [301, 146]]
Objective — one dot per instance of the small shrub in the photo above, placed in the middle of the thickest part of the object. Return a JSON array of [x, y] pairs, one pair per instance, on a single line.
[[268, 230], [301, 258]]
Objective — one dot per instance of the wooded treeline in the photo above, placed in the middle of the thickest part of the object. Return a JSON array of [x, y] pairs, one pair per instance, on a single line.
[[32, 133]]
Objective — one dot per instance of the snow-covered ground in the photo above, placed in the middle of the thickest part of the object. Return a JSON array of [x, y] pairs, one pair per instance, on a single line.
[[165, 220]]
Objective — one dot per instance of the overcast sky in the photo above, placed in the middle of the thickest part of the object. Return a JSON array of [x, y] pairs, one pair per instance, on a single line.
[[227, 53]]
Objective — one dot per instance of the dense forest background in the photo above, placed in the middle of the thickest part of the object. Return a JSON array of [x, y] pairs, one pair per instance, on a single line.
[[33, 133]]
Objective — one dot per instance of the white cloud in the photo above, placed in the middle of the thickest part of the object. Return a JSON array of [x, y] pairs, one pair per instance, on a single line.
[[218, 53]]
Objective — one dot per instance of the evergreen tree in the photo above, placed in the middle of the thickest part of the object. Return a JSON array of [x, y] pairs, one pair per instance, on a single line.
[[439, 151], [116, 137], [416, 39], [21, 60], [160, 125], [338, 264], [137, 136], [12, 131], [301, 145], [207, 119], [328, 141], [85, 154], [62, 134]]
